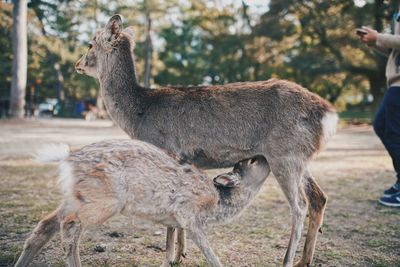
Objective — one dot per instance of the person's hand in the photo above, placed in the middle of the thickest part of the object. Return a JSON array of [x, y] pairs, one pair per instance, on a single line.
[[370, 37]]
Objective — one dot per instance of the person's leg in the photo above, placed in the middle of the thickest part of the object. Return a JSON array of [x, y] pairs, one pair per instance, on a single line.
[[392, 142], [379, 122], [385, 123], [392, 126]]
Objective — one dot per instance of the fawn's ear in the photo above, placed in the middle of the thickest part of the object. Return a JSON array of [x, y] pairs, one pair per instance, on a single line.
[[226, 180], [113, 27]]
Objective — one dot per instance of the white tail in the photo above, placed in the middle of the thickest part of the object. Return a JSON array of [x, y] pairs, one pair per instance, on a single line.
[[52, 153], [329, 125]]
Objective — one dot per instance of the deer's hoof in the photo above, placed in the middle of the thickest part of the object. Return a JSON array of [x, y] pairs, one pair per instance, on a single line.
[[300, 263], [178, 259], [169, 264]]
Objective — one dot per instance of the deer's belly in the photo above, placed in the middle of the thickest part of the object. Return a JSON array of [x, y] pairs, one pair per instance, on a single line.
[[216, 157], [211, 154]]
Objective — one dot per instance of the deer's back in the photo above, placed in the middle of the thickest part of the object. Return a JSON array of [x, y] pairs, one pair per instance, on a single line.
[[218, 125]]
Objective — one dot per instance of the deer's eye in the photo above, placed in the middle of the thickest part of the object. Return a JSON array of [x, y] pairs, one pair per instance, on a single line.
[[90, 46]]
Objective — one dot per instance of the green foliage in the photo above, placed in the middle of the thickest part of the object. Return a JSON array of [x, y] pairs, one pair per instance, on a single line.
[[205, 47], [55, 43], [183, 56], [197, 42], [5, 50], [322, 51]]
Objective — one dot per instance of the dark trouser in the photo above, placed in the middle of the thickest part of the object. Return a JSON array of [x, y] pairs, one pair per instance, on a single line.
[[387, 125]]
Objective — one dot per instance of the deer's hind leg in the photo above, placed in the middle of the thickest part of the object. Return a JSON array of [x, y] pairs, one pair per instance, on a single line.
[[74, 223], [289, 172], [43, 232], [317, 200], [71, 230]]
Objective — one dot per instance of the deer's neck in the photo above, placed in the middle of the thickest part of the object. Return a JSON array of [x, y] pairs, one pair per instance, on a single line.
[[121, 93], [117, 71]]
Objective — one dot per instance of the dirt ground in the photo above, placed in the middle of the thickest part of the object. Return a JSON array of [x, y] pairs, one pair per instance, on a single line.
[[353, 170]]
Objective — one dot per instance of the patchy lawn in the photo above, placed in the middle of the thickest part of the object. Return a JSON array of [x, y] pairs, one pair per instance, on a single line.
[[353, 170]]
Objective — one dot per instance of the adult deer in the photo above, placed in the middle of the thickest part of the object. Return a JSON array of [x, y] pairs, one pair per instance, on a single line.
[[217, 126]]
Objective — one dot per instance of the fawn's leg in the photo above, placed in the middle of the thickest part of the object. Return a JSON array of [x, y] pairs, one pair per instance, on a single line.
[[43, 232], [288, 173], [71, 230], [316, 207], [199, 237], [87, 215], [181, 247], [170, 248]]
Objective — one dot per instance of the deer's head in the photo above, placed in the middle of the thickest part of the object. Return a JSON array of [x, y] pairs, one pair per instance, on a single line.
[[247, 175], [106, 41], [237, 188]]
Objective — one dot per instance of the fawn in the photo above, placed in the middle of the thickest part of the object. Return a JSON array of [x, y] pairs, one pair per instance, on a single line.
[[135, 178]]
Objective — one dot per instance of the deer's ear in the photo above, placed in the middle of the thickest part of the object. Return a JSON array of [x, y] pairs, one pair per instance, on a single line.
[[114, 26], [226, 180]]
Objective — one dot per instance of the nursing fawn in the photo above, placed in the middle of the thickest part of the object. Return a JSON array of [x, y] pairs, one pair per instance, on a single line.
[[137, 179]]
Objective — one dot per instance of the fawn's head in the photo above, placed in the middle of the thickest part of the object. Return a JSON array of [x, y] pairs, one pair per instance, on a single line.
[[248, 174], [106, 41], [238, 188]]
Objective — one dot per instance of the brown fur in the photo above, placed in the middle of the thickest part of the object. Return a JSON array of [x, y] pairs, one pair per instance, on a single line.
[[146, 184], [317, 200], [216, 126]]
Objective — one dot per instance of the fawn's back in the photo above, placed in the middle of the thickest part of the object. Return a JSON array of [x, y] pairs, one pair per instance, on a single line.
[[141, 180]]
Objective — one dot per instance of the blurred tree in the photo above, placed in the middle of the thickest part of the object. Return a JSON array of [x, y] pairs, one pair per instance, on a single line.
[[183, 56], [324, 53], [20, 59], [143, 14], [206, 46], [204, 42], [5, 50], [148, 7], [58, 47]]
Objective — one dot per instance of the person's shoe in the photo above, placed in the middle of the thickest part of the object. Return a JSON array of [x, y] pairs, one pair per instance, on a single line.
[[392, 191], [392, 201]]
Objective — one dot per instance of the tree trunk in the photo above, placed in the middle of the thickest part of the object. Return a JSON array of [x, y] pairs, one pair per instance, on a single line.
[[99, 100], [20, 59], [148, 52], [60, 82]]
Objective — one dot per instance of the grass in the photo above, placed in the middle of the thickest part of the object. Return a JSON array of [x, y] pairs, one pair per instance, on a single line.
[[357, 231], [258, 238]]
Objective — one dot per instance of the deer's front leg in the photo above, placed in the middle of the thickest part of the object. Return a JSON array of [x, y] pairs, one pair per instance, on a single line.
[[289, 174], [181, 245], [199, 237], [170, 248]]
